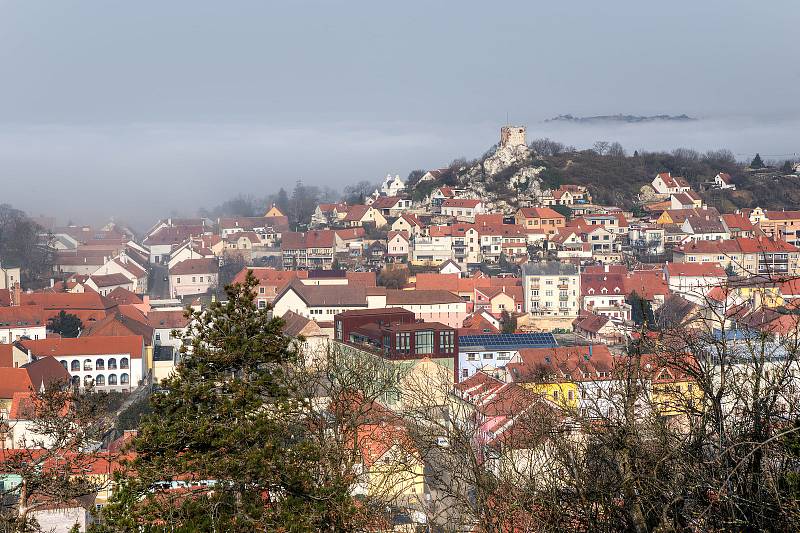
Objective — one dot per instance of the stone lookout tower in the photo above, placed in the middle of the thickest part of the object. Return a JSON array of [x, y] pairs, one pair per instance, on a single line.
[[511, 136]]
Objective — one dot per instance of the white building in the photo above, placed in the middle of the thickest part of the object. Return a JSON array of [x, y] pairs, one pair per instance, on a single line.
[[551, 288], [22, 321], [193, 276], [692, 281], [462, 208], [107, 363], [666, 183], [392, 186]]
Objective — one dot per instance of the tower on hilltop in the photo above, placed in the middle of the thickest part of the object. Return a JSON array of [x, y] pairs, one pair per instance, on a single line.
[[511, 136]]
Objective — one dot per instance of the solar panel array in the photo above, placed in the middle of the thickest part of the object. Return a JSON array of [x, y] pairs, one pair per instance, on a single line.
[[509, 340]]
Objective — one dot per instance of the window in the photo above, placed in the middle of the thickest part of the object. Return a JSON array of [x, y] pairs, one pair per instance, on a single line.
[[262, 304], [75, 366], [100, 380], [124, 379], [112, 379], [488, 355], [87, 365], [261, 290], [99, 365], [87, 381], [423, 342], [123, 363], [446, 341], [403, 342], [177, 280], [571, 395], [194, 279], [64, 364], [465, 373], [555, 395], [112, 365], [503, 355]]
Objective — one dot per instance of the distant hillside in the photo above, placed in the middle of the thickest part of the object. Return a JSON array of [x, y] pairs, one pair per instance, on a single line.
[[616, 178], [630, 119]]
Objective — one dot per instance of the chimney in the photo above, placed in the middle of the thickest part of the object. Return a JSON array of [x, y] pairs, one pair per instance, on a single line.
[[17, 294]]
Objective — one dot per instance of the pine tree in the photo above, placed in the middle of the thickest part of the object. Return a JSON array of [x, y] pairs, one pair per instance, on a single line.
[[66, 324], [233, 414], [641, 310], [757, 162]]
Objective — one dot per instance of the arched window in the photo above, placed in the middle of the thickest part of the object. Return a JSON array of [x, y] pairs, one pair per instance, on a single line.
[[87, 365], [75, 365], [76, 381], [100, 380], [87, 381], [124, 379], [64, 364], [123, 363], [112, 365], [112, 379], [99, 364]]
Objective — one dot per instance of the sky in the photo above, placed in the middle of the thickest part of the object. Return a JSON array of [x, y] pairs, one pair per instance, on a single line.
[[144, 109]]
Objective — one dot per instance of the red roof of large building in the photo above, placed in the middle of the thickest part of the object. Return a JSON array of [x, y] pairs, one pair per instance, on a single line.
[[195, 266], [540, 212], [706, 270], [132, 345], [466, 203]]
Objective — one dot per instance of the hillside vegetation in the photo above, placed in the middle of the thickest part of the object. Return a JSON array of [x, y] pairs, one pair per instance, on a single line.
[[616, 178]]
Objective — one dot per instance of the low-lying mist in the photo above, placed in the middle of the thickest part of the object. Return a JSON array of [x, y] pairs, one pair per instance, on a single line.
[[140, 172]]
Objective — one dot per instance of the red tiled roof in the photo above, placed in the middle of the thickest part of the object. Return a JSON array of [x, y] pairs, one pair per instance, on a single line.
[[421, 297], [386, 202], [467, 203], [195, 266], [312, 239], [23, 315], [695, 270], [167, 319], [124, 296], [356, 212], [110, 280], [270, 276], [540, 212], [86, 346]]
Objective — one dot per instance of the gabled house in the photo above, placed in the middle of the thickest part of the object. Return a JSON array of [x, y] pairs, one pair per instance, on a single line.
[[409, 223], [392, 186], [105, 283], [328, 214], [359, 215], [723, 180], [599, 328], [705, 228], [391, 206], [127, 265], [685, 200], [193, 276], [312, 249], [542, 218], [666, 183], [462, 208], [322, 302], [439, 195], [398, 247]]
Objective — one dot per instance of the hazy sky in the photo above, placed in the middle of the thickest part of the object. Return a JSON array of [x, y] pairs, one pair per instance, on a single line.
[[145, 108]]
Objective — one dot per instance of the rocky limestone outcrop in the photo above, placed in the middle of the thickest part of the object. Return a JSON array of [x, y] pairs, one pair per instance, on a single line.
[[504, 157]]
